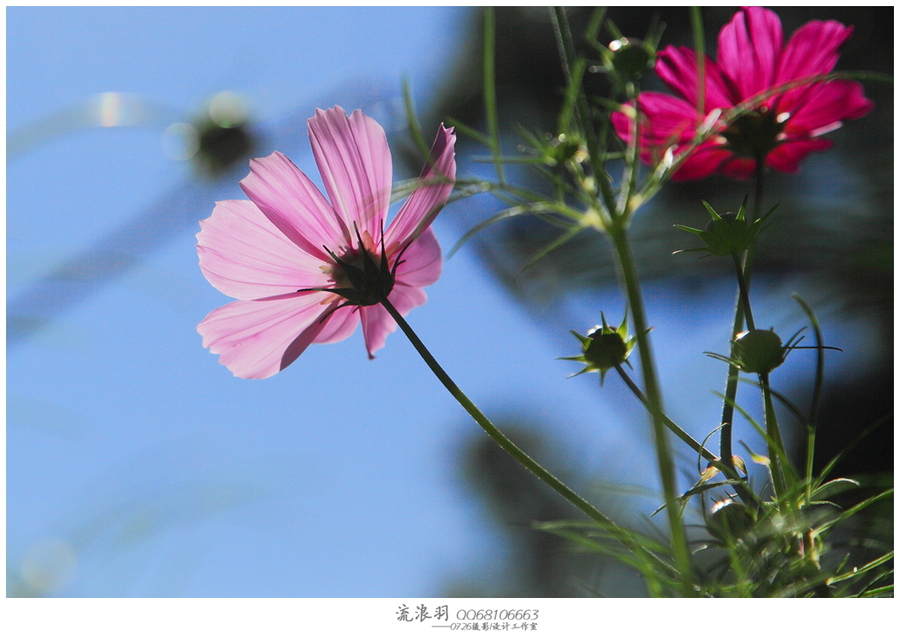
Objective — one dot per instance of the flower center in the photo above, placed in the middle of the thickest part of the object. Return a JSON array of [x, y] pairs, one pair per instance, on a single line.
[[361, 277], [755, 134]]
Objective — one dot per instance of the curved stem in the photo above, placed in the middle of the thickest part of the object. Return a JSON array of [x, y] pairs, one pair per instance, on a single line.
[[524, 459], [668, 422], [617, 234], [729, 470]]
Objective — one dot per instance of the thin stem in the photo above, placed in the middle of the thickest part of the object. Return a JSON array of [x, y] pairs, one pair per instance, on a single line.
[[668, 422], [617, 234], [729, 470], [746, 268], [699, 47], [574, 68], [490, 91], [773, 432], [744, 292], [524, 459]]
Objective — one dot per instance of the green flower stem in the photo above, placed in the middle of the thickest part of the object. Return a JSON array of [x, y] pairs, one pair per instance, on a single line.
[[524, 459], [490, 93], [745, 269], [668, 422], [773, 433], [618, 235], [744, 292], [729, 470]]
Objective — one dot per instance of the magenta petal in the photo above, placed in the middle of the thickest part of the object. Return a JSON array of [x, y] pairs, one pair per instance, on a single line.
[[293, 203], [245, 256], [377, 323], [705, 161], [252, 337], [812, 50], [677, 67], [667, 120], [822, 107], [421, 262], [750, 48], [787, 157], [355, 163], [435, 185]]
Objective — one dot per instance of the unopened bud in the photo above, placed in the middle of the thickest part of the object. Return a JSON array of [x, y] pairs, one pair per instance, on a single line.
[[729, 519], [631, 58], [757, 351]]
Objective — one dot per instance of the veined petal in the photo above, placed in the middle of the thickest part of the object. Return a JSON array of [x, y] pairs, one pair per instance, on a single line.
[[355, 163], [812, 50], [336, 325], [252, 338], [245, 256], [822, 107], [341, 324], [667, 120], [425, 202], [377, 323], [421, 262], [750, 47], [293, 203], [677, 67]]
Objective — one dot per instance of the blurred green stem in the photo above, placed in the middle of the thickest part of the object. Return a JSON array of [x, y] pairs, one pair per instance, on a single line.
[[618, 235]]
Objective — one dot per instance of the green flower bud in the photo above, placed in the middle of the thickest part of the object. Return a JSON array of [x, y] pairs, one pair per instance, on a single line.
[[631, 58], [606, 349], [729, 519], [728, 233], [565, 148], [758, 351], [603, 347]]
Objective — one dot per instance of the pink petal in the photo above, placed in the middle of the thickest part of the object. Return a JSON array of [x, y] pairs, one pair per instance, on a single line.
[[666, 122], [704, 162], [355, 163], [430, 195], [750, 50], [739, 168], [787, 157], [377, 323], [257, 339], [340, 324], [245, 256], [292, 202], [669, 120], [812, 50], [677, 67], [421, 262], [822, 107]]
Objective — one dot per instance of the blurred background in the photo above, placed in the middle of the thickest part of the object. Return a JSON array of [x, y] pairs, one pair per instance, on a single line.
[[138, 466]]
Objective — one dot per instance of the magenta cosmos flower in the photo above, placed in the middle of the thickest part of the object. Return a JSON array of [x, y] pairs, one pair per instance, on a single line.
[[306, 269], [782, 127]]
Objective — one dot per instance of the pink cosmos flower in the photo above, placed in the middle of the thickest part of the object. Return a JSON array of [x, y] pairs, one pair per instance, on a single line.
[[306, 269], [782, 128]]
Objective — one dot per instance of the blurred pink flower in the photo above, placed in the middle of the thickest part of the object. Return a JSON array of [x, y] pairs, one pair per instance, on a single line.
[[753, 60], [305, 269]]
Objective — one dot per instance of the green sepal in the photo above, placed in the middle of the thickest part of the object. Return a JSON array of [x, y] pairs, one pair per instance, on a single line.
[[604, 347], [727, 234]]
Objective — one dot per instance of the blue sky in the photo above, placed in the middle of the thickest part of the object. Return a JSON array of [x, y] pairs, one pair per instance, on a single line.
[[136, 464]]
